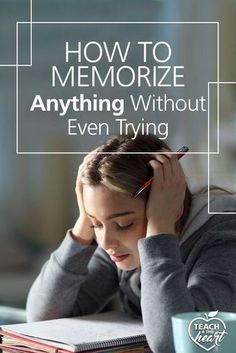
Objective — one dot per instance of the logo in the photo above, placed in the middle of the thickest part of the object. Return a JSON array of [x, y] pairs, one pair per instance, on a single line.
[[207, 332]]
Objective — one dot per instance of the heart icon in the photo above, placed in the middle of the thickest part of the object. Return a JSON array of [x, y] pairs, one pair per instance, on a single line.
[[207, 332]]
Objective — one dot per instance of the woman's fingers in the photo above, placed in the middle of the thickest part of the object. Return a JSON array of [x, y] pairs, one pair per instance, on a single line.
[[165, 166], [158, 171], [166, 194]]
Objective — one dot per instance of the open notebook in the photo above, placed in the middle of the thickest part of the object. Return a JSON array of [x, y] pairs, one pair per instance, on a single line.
[[105, 332]]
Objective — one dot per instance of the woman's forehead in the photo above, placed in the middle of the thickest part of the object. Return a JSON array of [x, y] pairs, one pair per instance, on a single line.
[[99, 200]]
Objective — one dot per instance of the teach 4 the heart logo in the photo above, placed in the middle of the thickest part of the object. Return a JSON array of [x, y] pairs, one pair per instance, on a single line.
[[207, 332]]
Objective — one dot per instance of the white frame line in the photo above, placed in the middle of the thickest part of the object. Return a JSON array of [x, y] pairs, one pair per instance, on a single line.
[[159, 22], [17, 95], [208, 159], [122, 22]]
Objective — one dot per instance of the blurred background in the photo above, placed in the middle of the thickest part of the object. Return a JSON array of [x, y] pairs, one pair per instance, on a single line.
[[37, 201]]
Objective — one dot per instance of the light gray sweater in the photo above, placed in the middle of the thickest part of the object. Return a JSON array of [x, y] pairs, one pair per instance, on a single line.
[[197, 273]]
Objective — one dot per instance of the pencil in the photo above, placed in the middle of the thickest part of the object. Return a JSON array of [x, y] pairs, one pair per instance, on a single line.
[[180, 153]]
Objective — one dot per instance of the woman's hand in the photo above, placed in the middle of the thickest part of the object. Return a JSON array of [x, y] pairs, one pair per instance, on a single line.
[[166, 199], [82, 230]]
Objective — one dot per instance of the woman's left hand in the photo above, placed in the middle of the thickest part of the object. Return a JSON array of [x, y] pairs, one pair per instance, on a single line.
[[166, 198]]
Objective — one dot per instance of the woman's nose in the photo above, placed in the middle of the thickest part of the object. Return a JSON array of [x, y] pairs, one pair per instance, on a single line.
[[108, 241]]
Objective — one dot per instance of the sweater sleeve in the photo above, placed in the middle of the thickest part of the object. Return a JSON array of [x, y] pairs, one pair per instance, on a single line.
[[71, 282], [165, 290]]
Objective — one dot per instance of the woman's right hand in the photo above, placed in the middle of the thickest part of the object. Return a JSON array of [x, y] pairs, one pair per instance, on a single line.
[[82, 230]]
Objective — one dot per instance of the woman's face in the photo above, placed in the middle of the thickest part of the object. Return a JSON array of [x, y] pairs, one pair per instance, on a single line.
[[119, 221]]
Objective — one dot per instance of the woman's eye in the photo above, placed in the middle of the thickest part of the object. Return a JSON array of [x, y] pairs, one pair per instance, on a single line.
[[119, 226]]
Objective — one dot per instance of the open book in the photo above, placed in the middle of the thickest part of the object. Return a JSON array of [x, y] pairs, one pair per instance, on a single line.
[[105, 332]]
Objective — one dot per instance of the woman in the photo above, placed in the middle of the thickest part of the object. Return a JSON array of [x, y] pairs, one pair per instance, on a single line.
[[161, 250]]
